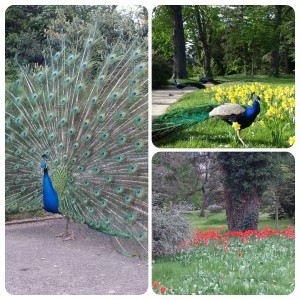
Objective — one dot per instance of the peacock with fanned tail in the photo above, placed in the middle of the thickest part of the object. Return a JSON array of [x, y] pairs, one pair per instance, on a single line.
[[82, 119]]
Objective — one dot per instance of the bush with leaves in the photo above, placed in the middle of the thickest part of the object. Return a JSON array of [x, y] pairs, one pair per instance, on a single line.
[[161, 71], [169, 228]]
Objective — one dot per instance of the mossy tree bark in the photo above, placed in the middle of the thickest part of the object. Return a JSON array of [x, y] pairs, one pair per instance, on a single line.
[[245, 176]]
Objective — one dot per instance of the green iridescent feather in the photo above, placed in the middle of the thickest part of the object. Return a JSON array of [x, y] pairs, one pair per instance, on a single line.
[[179, 119]]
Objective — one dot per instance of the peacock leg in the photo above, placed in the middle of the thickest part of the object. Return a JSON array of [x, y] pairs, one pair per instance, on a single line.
[[67, 235], [238, 134]]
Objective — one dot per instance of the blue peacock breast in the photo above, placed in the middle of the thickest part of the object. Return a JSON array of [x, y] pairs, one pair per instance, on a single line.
[[54, 187]]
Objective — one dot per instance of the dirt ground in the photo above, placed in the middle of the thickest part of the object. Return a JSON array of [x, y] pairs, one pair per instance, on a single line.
[[39, 263]]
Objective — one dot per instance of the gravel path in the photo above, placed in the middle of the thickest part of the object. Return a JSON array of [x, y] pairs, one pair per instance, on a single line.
[[162, 99], [39, 263]]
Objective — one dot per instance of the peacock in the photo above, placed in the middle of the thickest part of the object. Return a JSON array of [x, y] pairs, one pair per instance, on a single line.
[[81, 118], [178, 85], [174, 121]]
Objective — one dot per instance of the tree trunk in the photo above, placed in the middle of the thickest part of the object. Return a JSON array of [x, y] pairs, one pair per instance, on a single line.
[[287, 68], [242, 214], [229, 210], [179, 44], [205, 36], [202, 210], [275, 55], [276, 215], [252, 64], [245, 59], [203, 206]]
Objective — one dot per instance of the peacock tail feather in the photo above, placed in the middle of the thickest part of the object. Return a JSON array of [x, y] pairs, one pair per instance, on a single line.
[[86, 110], [179, 119]]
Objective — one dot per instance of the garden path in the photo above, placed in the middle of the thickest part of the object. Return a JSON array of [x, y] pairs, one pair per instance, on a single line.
[[163, 98]]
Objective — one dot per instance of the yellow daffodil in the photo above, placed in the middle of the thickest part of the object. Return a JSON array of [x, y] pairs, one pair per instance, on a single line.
[[236, 125], [262, 123], [277, 105], [292, 140]]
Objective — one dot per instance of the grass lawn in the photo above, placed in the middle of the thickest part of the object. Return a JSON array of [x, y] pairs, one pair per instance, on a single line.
[[215, 220], [218, 134], [225, 265]]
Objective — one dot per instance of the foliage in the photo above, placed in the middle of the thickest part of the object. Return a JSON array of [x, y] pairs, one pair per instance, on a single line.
[[248, 51], [29, 50], [245, 177], [24, 32], [26, 27], [176, 170], [218, 263], [176, 188], [169, 227], [161, 71], [281, 194], [162, 30]]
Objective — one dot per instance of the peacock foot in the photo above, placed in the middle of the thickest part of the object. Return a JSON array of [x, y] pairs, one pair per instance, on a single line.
[[238, 134], [66, 236], [69, 237]]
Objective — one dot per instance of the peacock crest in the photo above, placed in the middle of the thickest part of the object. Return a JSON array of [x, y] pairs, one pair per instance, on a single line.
[[85, 110]]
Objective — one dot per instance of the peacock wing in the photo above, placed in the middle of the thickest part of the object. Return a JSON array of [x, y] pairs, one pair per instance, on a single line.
[[226, 110]]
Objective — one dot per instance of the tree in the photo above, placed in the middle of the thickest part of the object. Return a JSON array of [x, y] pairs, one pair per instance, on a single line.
[[275, 54], [205, 35], [177, 179], [179, 43], [285, 186], [263, 44], [245, 176], [287, 34]]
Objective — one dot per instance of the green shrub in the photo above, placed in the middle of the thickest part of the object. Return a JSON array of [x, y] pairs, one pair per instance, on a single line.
[[161, 71], [169, 228]]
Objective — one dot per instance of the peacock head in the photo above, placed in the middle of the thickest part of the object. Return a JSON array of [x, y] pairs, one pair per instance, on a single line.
[[43, 166], [254, 97]]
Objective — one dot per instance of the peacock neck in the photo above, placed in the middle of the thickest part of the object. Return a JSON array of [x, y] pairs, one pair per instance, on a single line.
[[256, 107], [50, 196]]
